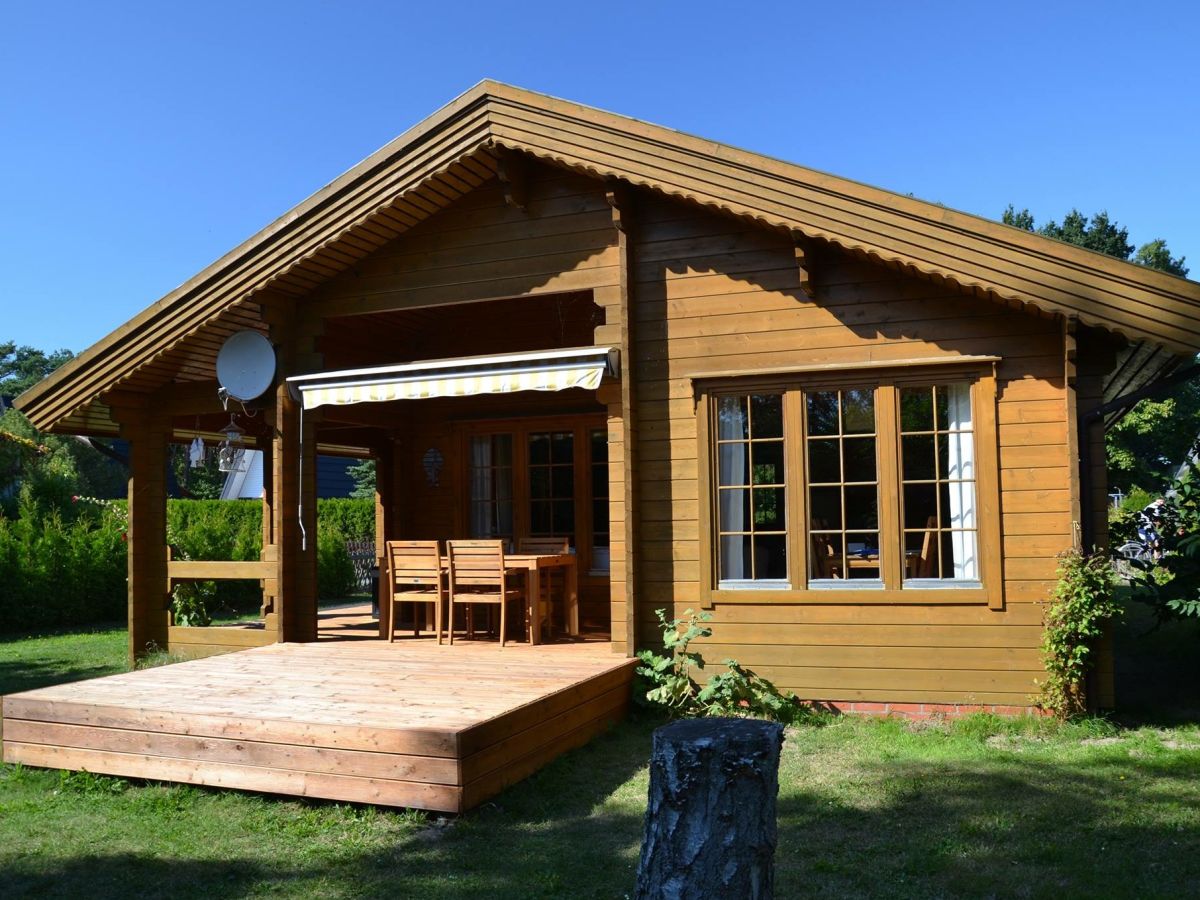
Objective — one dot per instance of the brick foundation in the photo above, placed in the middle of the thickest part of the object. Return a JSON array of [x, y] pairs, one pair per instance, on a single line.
[[918, 711]]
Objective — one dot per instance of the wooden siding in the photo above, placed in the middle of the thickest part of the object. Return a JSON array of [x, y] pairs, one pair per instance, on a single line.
[[713, 295], [406, 724]]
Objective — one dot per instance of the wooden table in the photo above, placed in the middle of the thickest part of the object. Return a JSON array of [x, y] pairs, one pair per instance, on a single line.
[[533, 564]]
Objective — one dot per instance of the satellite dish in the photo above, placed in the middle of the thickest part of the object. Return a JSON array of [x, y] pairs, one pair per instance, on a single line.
[[246, 365]]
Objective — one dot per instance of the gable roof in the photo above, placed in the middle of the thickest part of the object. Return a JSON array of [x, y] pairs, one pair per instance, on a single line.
[[453, 151]]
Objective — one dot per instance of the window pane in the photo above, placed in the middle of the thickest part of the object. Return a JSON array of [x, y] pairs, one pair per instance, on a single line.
[[564, 517], [563, 451], [920, 505], [767, 461], [916, 409], [768, 509], [733, 423], [539, 449], [863, 555], [917, 452], [957, 451], [826, 560], [600, 517], [858, 412], [960, 555], [766, 416], [599, 446], [735, 557], [770, 556], [859, 459], [957, 504], [562, 481], [539, 515], [504, 519], [823, 464], [735, 510], [599, 481], [502, 449], [823, 412], [862, 507], [826, 508], [539, 483], [734, 464]]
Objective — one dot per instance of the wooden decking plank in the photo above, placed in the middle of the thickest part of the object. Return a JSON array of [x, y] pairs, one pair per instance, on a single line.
[[248, 778], [292, 757]]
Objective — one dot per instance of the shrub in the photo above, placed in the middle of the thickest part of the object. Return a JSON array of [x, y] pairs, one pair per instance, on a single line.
[[353, 519], [1084, 600], [669, 684]]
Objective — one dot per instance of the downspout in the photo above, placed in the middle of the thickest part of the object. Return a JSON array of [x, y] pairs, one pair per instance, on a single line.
[[1123, 404]]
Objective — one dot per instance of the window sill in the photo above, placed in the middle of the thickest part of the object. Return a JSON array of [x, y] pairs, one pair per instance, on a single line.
[[851, 596]]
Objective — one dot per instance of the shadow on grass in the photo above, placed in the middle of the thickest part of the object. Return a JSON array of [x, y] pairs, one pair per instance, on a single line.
[[1018, 828], [27, 674]]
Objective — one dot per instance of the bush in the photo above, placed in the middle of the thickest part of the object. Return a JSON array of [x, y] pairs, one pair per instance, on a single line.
[[1084, 601], [57, 572], [70, 569]]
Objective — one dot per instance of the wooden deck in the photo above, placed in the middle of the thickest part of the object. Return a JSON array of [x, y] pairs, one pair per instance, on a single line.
[[405, 724]]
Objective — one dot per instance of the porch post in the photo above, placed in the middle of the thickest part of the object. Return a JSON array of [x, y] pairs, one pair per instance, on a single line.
[[148, 435], [294, 487], [385, 470], [294, 475]]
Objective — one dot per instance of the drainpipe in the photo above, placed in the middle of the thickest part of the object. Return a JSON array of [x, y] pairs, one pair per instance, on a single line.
[[1122, 404]]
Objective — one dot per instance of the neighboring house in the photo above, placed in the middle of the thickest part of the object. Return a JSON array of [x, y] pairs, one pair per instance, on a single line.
[[847, 422], [246, 481]]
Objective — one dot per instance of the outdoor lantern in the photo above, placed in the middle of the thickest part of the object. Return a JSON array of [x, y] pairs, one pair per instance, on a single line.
[[232, 449], [432, 463]]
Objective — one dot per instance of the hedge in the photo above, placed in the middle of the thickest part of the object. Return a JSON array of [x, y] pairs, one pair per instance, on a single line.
[[60, 571]]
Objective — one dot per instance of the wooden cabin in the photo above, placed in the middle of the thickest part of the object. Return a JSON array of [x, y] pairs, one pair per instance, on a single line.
[[856, 427]]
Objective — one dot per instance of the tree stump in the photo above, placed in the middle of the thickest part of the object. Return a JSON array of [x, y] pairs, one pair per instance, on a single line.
[[710, 823]]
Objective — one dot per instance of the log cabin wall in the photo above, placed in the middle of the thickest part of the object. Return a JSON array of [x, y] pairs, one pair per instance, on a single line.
[[714, 294]]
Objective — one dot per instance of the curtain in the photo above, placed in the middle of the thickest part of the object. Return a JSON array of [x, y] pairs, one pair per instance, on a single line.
[[732, 514], [961, 470], [482, 507]]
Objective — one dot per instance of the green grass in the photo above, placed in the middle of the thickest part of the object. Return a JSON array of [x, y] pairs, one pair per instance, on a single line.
[[981, 808]]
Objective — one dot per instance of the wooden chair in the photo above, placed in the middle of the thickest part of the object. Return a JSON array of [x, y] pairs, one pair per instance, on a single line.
[[414, 575], [552, 580], [826, 561], [478, 576], [927, 559]]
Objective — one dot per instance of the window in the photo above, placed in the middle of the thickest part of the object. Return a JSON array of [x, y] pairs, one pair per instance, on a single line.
[[751, 501], [847, 490], [543, 477]]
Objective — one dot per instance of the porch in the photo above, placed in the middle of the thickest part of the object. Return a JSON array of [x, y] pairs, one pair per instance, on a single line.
[[406, 724]]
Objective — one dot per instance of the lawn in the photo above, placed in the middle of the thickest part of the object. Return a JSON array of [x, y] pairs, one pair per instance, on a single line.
[[979, 808]]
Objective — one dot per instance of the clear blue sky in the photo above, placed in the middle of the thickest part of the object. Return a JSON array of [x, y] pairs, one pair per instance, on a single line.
[[140, 141]]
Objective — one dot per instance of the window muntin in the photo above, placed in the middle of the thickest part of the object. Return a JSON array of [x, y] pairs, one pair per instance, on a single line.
[[751, 507], [843, 487], [938, 477]]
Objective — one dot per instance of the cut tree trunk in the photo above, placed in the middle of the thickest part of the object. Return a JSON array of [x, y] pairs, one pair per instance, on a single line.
[[710, 823]]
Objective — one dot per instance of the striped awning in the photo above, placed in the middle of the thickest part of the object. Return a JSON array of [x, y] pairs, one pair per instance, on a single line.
[[542, 370]]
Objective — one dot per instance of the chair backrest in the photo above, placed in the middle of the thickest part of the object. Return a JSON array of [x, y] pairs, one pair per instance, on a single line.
[[414, 562], [544, 546], [476, 564], [927, 561]]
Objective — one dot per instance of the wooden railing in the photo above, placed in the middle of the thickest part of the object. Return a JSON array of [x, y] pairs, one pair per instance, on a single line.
[[221, 570]]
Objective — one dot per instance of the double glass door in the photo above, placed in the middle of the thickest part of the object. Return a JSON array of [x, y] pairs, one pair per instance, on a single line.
[[542, 482]]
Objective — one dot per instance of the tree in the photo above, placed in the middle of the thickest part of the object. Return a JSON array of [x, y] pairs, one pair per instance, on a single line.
[[1101, 234], [23, 367], [363, 474], [1147, 445]]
